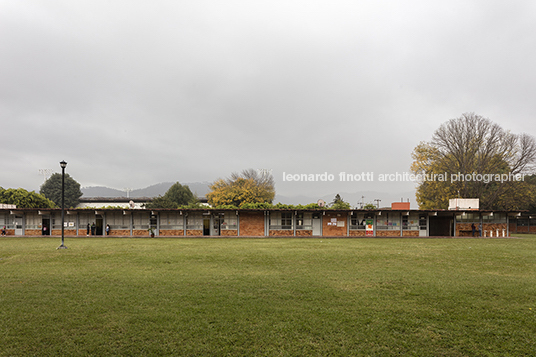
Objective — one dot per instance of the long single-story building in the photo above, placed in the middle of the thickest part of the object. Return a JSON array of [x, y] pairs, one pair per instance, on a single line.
[[389, 222]]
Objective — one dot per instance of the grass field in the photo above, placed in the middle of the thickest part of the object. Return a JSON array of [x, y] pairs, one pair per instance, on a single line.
[[268, 297]]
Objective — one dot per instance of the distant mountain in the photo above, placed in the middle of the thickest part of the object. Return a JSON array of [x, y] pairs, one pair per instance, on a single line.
[[201, 189], [198, 188]]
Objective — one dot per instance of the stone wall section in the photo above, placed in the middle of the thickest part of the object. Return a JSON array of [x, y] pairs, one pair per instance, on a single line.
[[140, 233], [229, 232], [357, 233], [304, 232], [194, 232], [281, 233], [410, 233], [170, 232], [388, 233], [34, 232]]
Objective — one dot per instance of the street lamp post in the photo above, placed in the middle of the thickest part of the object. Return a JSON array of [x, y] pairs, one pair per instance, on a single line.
[[63, 164]]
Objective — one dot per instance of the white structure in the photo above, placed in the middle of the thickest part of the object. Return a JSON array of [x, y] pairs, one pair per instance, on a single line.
[[464, 204], [123, 202]]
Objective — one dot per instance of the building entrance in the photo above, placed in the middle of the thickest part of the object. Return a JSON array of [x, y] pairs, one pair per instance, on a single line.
[[441, 226], [45, 226], [98, 225]]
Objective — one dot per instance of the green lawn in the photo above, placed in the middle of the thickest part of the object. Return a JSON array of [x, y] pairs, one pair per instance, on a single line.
[[268, 297]]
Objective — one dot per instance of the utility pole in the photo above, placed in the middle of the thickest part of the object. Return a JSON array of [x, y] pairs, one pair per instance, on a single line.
[[377, 200]]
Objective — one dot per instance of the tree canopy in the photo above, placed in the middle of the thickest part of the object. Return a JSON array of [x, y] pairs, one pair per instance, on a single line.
[[24, 199], [339, 203], [177, 195], [249, 186], [51, 189], [472, 157]]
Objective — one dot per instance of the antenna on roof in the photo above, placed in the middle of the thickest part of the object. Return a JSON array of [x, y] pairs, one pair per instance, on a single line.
[[45, 173]]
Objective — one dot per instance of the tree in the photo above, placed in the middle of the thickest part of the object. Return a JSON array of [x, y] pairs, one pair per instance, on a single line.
[[249, 186], [339, 203], [472, 157], [177, 195], [24, 199], [51, 189]]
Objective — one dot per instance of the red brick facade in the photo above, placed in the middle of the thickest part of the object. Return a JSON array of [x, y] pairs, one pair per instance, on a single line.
[[252, 224]]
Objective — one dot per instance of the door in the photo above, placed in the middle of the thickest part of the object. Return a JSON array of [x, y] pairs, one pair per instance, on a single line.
[[216, 225], [18, 225], [98, 225], [206, 226], [423, 226], [440, 226], [317, 224], [45, 226]]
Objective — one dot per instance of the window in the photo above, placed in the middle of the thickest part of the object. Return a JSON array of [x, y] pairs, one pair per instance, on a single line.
[[230, 221], [116, 220], [33, 221], [171, 220], [194, 221], [357, 221], [281, 220], [286, 220], [388, 221], [468, 217], [304, 220], [411, 222], [494, 218]]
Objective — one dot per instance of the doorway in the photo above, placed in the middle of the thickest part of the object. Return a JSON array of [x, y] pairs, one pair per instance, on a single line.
[[317, 224], [45, 226], [98, 225], [441, 226], [18, 225], [206, 226], [217, 219]]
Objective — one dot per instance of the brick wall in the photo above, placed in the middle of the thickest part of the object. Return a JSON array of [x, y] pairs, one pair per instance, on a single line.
[[329, 229], [66, 232], [252, 224], [464, 229], [33, 232]]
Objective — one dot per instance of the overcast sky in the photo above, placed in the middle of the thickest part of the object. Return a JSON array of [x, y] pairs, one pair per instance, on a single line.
[[133, 93]]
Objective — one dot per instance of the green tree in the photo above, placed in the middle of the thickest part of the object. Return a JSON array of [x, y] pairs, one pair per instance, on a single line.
[[24, 199], [51, 189], [339, 203], [475, 147], [249, 186], [177, 195]]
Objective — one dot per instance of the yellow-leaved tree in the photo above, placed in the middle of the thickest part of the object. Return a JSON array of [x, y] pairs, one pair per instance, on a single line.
[[249, 186]]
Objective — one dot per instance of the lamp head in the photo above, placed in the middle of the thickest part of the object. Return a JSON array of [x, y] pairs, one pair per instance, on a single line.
[[63, 164]]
